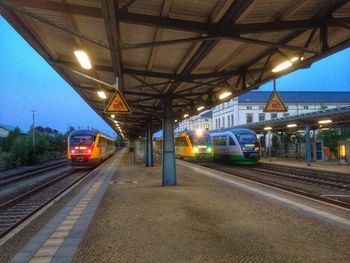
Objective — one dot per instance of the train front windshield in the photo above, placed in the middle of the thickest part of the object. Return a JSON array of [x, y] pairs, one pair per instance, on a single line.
[[85, 140], [246, 138], [200, 140]]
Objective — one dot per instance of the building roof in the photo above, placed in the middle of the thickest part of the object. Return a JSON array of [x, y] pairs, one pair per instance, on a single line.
[[296, 96], [339, 116], [7, 127], [207, 114]]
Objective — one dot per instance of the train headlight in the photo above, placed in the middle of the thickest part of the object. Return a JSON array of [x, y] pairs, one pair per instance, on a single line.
[[89, 151], [195, 149], [209, 149], [72, 151]]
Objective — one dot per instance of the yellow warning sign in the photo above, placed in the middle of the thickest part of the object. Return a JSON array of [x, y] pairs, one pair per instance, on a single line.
[[117, 104], [275, 104]]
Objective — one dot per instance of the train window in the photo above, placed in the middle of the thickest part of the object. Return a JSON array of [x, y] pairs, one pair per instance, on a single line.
[[246, 137], [232, 141], [101, 142], [181, 141], [219, 140], [81, 140]]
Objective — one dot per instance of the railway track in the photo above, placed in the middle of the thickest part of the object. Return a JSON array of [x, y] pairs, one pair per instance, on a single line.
[[20, 208], [292, 181], [327, 182], [13, 178]]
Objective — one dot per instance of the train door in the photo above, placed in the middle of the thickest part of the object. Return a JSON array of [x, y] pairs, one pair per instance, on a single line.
[[233, 146], [219, 143]]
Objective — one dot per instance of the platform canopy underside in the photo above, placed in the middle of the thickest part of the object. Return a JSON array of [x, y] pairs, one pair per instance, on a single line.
[[189, 50]]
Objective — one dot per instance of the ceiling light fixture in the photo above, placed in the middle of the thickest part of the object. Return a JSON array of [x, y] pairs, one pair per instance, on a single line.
[[83, 59], [284, 65], [102, 94], [200, 108], [325, 121], [292, 125], [225, 95]]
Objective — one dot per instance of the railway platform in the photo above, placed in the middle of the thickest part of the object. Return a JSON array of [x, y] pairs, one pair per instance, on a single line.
[[330, 166], [124, 215]]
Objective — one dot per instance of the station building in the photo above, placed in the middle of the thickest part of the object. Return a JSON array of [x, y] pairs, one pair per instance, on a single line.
[[203, 121], [248, 108]]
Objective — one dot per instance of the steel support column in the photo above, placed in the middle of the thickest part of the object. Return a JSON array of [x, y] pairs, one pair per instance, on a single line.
[[149, 148], [308, 145], [169, 168]]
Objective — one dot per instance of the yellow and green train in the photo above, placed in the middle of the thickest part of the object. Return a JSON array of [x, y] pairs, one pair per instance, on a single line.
[[188, 144]]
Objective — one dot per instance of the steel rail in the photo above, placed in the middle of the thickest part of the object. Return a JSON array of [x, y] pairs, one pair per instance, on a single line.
[[38, 190], [10, 179], [239, 172]]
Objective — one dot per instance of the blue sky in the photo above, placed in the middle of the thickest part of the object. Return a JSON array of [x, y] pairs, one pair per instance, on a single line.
[[28, 83]]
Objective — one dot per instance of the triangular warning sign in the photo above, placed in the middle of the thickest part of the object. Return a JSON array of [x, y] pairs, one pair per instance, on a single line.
[[117, 104], [275, 104]]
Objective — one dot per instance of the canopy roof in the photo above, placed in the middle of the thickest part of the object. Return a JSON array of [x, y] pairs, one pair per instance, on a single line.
[[190, 50], [337, 116]]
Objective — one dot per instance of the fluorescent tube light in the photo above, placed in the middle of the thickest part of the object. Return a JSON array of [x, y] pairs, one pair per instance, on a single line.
[[285, 65], [83, 59], [102, 94], [225, 95], [325, 121]]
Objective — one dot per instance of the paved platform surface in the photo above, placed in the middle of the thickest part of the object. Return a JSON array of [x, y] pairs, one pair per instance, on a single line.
[[331, 166], [209, 217]]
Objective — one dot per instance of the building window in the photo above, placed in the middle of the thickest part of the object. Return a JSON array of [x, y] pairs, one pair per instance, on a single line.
[[273, 115], [306, 107], [228, 121], [261, 107], [286, 114], [219, 123], [216, 124], [206, 126], [232, 123], [205, 119], [261, 116], [223, 122], [249, 107], [249, 117]]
